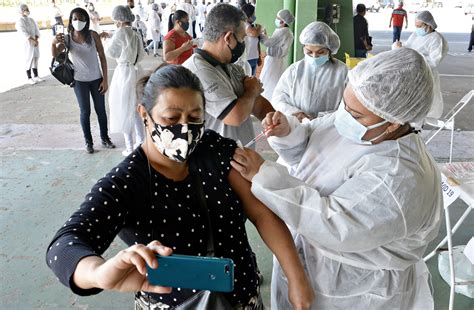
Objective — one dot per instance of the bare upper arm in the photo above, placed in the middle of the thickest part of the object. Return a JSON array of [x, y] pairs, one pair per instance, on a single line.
[[253, 208]]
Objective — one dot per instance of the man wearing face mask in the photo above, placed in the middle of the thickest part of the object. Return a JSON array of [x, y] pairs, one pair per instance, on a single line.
[[314, 84], [230, 96]]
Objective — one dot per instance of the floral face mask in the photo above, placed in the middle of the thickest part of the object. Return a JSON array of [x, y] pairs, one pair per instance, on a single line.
[[178, 141]]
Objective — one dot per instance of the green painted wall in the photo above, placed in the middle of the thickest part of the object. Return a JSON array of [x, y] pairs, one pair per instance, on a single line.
[[307, 11]]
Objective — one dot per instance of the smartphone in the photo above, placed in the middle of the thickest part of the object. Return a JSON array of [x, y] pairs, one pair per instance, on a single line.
[[193, 272], [59, 29]]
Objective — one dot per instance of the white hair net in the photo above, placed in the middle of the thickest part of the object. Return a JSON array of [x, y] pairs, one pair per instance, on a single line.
[[23, 7], [318, 33], [396, 85], [286, 16], [122, 13], [427, 18]]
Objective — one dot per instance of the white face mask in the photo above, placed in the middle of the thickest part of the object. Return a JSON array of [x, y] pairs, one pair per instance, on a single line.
[[351, 129], [78, 25]]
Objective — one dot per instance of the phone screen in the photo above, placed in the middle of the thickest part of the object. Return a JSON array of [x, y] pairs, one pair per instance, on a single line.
[[59, 29]]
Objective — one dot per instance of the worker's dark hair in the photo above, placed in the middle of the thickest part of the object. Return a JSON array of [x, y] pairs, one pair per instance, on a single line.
[[248, 9], [178, 15], [85, 31], [360, 8], [164, 77]]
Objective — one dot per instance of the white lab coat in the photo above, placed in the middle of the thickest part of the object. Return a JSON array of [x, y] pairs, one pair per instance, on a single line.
[[127, 49], [153, 26], [361, 216], [27, 27], [278, 46], [434, 48], [201, 11], [306, 88]]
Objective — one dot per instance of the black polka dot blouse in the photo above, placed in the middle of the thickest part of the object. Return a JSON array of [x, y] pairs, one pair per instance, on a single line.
[[140, 205]]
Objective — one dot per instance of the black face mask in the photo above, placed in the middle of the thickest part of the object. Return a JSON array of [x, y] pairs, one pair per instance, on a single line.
[[237, 51], [185, 26]]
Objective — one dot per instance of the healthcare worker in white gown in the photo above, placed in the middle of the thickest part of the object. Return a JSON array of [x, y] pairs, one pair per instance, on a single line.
[[278, 46], [363, 199], [127, 49], [434, 47], [314, 84], [29, 32]]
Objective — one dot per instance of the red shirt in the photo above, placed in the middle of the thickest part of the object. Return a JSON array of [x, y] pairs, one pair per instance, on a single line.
[[397, 16], [179, 40]]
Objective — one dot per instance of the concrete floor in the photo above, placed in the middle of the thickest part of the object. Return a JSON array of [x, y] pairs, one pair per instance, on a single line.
[[45, 174]]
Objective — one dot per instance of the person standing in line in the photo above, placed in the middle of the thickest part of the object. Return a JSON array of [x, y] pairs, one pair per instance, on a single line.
[[471, 40], [178, 45], [126, 47], [362, 40], [57, 17], [84, 46], [278, 46], [153, 33], [398, 15], [201, 10], [140, 25], [95, 18], [191, 10], [29, 31], [231, 96], [252, 40]]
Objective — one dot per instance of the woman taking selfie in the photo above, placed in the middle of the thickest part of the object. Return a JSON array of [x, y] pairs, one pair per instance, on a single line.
[[155, 199], [84, 46]]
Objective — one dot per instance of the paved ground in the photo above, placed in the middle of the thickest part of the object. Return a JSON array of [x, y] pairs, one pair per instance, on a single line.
[[45, 174]]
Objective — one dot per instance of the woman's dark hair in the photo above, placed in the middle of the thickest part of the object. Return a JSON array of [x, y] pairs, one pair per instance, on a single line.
[[164, 77], [248, 10], [85, 31], [360, 8], [178, 15]]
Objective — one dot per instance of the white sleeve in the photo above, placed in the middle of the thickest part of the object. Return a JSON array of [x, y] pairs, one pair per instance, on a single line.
[[115, 46], [282, 99], [437, 51], [270, 41], [22, 28], [360, 215], [292, 147]]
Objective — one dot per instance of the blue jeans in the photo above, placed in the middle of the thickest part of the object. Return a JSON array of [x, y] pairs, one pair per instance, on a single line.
[[84, 91], [361, 53], [253, 65], [397, 32]]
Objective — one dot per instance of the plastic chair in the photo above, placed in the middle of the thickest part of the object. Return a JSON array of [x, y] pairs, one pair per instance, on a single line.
[[448, 121], [466, 193]]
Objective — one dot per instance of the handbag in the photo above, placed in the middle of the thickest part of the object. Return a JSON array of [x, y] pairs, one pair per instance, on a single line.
[[62, 68]]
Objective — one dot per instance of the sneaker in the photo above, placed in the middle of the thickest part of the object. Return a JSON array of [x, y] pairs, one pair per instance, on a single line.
[[37, 79], [89, 148], [31, 82], [108, 144], [125, 153]]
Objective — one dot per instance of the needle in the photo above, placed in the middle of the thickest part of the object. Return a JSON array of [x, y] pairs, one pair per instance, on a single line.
[[260, 136]]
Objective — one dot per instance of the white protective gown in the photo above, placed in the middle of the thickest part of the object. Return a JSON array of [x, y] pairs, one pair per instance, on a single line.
[[153, 25], [434, 48], [275, 61], [306, 88], [127, 49], [361, 216], [27, 27]]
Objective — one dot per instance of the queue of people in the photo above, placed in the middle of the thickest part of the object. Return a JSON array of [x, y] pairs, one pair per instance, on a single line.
[[348, 217]]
